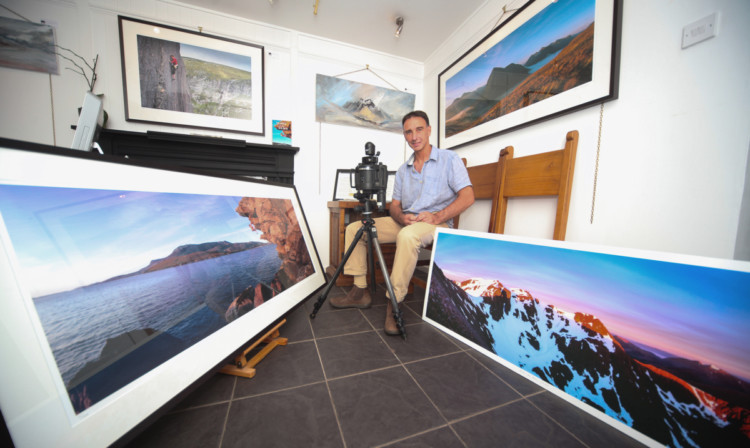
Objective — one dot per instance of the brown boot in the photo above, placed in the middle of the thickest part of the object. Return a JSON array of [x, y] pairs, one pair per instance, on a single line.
[[356, 298], [390, 326]]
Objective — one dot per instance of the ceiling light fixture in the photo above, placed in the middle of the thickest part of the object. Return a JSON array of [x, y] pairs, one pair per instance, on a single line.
[[399, 26]]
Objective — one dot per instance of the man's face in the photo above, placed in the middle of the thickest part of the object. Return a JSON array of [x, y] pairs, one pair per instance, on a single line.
[[417, 133]]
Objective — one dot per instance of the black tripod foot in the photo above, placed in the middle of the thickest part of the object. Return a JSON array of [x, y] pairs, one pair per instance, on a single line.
[[316, 308], [396, 326]]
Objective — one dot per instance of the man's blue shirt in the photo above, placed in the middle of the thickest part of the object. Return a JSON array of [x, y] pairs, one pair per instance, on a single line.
[[442, 176]]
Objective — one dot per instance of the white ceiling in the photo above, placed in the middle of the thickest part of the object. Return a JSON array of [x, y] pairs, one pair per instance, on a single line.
[[365, 23]]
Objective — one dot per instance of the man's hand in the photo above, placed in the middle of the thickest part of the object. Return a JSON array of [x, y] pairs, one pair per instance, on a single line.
[[428, 217], [409, 218]]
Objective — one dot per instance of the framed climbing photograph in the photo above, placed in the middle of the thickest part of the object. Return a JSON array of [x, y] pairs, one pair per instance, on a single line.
[[188, 78], [124, 284], [547, 59]]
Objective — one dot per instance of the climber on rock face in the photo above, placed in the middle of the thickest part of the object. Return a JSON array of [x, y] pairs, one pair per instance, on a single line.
[[172, 65]]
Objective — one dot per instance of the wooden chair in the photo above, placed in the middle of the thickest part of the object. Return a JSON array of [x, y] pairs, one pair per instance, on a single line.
[[486, 181], [545, 174]]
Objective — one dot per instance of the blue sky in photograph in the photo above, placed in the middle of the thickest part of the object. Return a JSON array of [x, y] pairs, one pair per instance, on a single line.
[[65, 237], [558, 20], [239, 61], [695, 312]]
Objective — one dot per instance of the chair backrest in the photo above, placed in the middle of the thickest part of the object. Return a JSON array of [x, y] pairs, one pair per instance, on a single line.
[[458, 217], [546, 174], [486, 182]]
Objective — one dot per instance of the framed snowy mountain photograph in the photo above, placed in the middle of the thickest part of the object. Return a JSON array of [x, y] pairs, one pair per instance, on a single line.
[[654, 344]]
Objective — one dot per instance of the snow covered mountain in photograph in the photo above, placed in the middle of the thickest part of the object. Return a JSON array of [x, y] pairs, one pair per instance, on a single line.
[[674, 401]]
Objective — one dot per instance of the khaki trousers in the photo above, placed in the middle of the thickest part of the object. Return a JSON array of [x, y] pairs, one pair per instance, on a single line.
[[409, 240]]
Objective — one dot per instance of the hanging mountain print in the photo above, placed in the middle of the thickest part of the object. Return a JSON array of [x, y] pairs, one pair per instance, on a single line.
[[339, 101]]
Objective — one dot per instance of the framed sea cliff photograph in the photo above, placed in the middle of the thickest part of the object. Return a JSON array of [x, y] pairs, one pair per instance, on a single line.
[[123, 284], [654, 344], [188, 78], [547, 59]]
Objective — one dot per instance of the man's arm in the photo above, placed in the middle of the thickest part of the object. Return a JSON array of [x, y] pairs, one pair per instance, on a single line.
[[463, 200]]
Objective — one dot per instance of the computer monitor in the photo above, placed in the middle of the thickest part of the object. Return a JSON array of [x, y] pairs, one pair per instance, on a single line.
[[89, 123]]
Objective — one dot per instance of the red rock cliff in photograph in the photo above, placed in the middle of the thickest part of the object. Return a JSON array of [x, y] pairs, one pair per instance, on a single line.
[[278, 222]]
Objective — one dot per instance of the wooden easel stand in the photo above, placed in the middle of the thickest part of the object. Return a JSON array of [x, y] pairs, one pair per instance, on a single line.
[[246, 368]]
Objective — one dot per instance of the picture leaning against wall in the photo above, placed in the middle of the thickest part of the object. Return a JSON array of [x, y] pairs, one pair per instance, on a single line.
[[124, 284], [653, 345], [124, 280]]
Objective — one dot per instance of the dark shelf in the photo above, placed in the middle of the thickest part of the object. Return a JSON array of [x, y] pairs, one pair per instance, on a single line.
[[218, 155]]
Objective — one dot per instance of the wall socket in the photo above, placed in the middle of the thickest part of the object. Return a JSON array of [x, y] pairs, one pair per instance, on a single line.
[[699, 31]]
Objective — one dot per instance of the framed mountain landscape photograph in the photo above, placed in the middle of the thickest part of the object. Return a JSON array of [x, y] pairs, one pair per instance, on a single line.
[[123, 284], [188, 78], [654, 344], [549, 58]]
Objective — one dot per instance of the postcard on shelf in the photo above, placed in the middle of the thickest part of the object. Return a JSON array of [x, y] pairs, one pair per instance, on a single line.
[[282, 132]]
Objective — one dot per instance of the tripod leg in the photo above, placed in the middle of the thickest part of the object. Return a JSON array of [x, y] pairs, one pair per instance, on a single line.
[[371, 264], [332, 282], [396, 310]]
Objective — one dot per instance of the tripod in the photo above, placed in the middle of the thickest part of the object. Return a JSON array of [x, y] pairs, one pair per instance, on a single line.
[[372, 241]]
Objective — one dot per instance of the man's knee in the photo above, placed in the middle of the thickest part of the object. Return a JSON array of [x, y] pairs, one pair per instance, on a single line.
[[352, 229], [408, 238]]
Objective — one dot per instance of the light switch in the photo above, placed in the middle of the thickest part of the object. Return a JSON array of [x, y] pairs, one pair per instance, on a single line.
[[699, 31]]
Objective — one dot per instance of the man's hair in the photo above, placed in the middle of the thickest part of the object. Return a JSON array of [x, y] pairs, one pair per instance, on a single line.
[[415, 113]]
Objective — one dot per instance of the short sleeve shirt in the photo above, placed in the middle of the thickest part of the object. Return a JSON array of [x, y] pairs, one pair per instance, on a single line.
[[432, 190]]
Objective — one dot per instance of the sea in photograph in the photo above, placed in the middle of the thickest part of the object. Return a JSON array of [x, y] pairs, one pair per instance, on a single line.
[[181, 304]]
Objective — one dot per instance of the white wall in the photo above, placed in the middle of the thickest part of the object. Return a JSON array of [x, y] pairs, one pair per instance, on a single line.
[[674, 146], [292, 61]]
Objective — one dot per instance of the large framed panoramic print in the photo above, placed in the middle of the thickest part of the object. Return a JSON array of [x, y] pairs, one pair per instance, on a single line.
[[653, 344], [187, 78], [122, 284], [549, 58]]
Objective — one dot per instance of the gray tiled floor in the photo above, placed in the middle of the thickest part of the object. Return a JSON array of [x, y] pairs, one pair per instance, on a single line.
[[341, 382]]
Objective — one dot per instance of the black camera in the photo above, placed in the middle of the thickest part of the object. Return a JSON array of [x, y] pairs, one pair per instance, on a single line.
[[370, 177]]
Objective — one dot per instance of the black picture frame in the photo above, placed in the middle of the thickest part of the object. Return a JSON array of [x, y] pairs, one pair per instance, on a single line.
[[156, 90], [342, 187], [495, 87]]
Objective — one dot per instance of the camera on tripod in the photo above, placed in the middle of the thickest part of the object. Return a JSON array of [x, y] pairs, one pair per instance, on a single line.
[[370, 177]]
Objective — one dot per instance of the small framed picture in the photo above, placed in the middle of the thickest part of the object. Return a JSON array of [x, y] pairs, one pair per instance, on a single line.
[[343, 188]]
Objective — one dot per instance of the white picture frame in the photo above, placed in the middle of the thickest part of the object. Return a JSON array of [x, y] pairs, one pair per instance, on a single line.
[[33, 394], [651, 343]]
